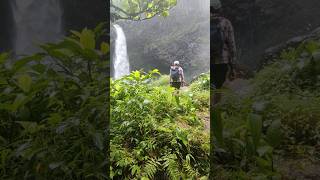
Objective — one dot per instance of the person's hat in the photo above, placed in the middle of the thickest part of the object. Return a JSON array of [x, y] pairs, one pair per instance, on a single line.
[[215, 4], [176, 63]]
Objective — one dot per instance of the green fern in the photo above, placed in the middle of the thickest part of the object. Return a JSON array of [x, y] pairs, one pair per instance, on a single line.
[[150, 169], [145, 121], [191, 172], [171, 166]]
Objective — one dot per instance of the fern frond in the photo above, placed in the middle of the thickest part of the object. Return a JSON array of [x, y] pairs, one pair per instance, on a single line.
[[172, 167], [192, 173], [150, 169]]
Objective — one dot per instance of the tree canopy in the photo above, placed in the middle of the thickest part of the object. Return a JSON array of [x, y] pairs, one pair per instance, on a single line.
[[138, 10]]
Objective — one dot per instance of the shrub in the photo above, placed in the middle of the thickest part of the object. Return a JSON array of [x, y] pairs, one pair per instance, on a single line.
[[284, 105], [202, 82], [146, 139], [53, 115], [163, 80]]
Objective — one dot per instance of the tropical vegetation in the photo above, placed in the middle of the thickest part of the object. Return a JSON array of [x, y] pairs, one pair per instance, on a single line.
[[275, 123], [156, 132], [54, 110]]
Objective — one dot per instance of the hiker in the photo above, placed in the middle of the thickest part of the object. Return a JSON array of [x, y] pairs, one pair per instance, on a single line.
[[176, 75], [222, 49]]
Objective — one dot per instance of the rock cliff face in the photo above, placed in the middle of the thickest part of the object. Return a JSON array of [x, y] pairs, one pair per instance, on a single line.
[[77, 14], [261, 24], [6, 30]]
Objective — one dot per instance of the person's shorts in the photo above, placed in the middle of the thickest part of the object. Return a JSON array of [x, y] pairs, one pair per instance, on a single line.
[[176, 85], [218, 75]]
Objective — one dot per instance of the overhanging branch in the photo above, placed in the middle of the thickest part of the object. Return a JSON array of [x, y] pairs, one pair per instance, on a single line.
[[130, 16]]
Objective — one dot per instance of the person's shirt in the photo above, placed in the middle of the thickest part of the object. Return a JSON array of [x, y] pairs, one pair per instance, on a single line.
[[229, 46], [181, 78]]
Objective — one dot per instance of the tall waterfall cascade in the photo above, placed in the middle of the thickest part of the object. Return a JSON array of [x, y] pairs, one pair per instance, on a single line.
[[36, 22], [120, 60]]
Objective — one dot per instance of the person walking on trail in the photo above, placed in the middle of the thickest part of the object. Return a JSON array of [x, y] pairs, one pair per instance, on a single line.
[[176, 75], [222, 49]]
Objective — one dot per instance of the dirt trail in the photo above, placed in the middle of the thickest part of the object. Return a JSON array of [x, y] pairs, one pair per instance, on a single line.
[[299, 169]]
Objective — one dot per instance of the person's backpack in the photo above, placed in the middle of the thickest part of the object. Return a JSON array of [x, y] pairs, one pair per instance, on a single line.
[[175, 74], [216, 38]]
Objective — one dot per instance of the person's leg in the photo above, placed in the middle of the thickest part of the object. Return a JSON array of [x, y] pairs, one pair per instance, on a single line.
[[219, 77], [176, 86]]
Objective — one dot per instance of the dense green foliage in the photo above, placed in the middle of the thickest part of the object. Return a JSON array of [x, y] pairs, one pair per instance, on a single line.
[[293, 96], [156, 132], [53, 110], [279, 118], [140, 9], [202, 82]]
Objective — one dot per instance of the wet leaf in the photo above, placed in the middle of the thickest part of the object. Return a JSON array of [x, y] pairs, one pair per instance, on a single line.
[[98, 140], [29, 127], [104, 48], [165, 13], [255, 126], [25, 82], [55, 165], [87, 39], [264, 150], [274, 135]]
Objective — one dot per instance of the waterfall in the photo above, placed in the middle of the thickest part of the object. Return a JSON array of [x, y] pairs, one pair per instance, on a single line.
[[120, 60], [36, 22]]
